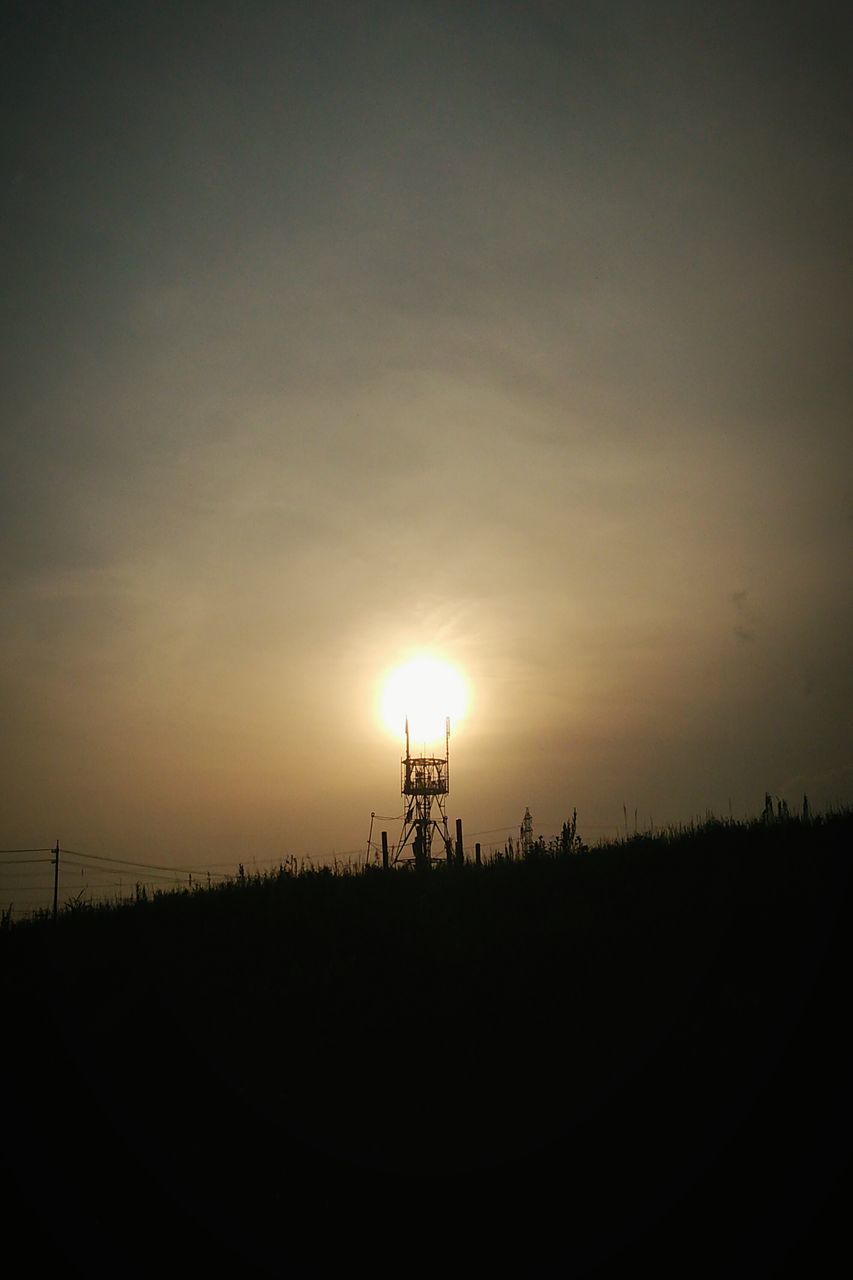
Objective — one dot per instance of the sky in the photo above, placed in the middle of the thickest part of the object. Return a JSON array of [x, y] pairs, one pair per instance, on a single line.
[[517, 334]]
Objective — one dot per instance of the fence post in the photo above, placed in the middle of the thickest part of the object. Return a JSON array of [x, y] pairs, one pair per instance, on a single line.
[[477, 858], [384, 850], [460, 848], [55, 877]]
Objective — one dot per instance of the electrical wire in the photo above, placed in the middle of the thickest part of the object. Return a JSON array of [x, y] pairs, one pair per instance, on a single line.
[[127, 862], [23, 884], [234, 862], [109, 884], [39, 894], [491, 830], [165, 873], [196, 869], [37, 876]]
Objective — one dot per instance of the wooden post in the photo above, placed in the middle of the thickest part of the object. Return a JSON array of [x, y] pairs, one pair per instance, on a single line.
[[460, 848], [55, 877], [477, 858], [384, 850]]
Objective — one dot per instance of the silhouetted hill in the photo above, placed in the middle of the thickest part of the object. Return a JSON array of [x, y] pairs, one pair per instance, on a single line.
[[634, 1055]]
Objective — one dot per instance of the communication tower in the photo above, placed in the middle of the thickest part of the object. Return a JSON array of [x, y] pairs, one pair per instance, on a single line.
[[425, 783], [525, 833]]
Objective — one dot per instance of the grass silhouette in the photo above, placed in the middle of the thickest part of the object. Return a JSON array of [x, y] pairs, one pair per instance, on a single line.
[[639, 1044]]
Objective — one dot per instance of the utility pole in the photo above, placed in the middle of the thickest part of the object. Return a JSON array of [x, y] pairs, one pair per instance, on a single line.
[[55, 877]]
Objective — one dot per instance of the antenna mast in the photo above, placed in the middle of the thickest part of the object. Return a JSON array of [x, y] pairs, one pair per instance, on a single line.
[[425, 782]]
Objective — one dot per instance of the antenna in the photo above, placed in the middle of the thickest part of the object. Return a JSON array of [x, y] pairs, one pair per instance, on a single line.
[[526, 834], [425, 782]]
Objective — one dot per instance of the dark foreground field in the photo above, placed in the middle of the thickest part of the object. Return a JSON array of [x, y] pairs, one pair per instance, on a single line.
[[634, 1056]]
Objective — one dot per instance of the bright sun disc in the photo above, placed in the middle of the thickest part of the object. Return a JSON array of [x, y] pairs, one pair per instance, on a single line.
[[426, 691]]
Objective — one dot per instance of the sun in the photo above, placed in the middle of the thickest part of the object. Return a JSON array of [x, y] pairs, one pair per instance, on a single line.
[[425, 691]]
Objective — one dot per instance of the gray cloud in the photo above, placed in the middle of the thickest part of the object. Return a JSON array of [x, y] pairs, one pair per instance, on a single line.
[[517, 331]]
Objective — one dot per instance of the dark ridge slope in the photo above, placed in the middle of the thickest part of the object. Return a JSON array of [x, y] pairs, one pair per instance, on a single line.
[[633, 1055]]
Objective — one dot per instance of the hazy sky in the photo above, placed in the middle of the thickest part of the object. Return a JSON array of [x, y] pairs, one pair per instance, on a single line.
[[514, 332]]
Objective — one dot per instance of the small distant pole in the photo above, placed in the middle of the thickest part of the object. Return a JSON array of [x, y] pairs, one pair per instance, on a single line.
[[477, 857], [384, 850], [460, 848], [55, 877]]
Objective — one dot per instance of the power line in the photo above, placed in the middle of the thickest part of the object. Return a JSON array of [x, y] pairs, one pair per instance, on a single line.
[[127, 862], [232, 862], [163, 872], [26, 880], [26, 851], [106, 884], [201, 868], [72, 883], [17, 862], [37, 877], [491, 830], [36, 895]]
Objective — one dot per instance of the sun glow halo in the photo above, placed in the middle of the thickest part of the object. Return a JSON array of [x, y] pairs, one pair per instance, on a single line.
[[426, 691]]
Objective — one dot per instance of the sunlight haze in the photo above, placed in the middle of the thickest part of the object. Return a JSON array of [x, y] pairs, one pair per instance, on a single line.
[[423, 692]]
